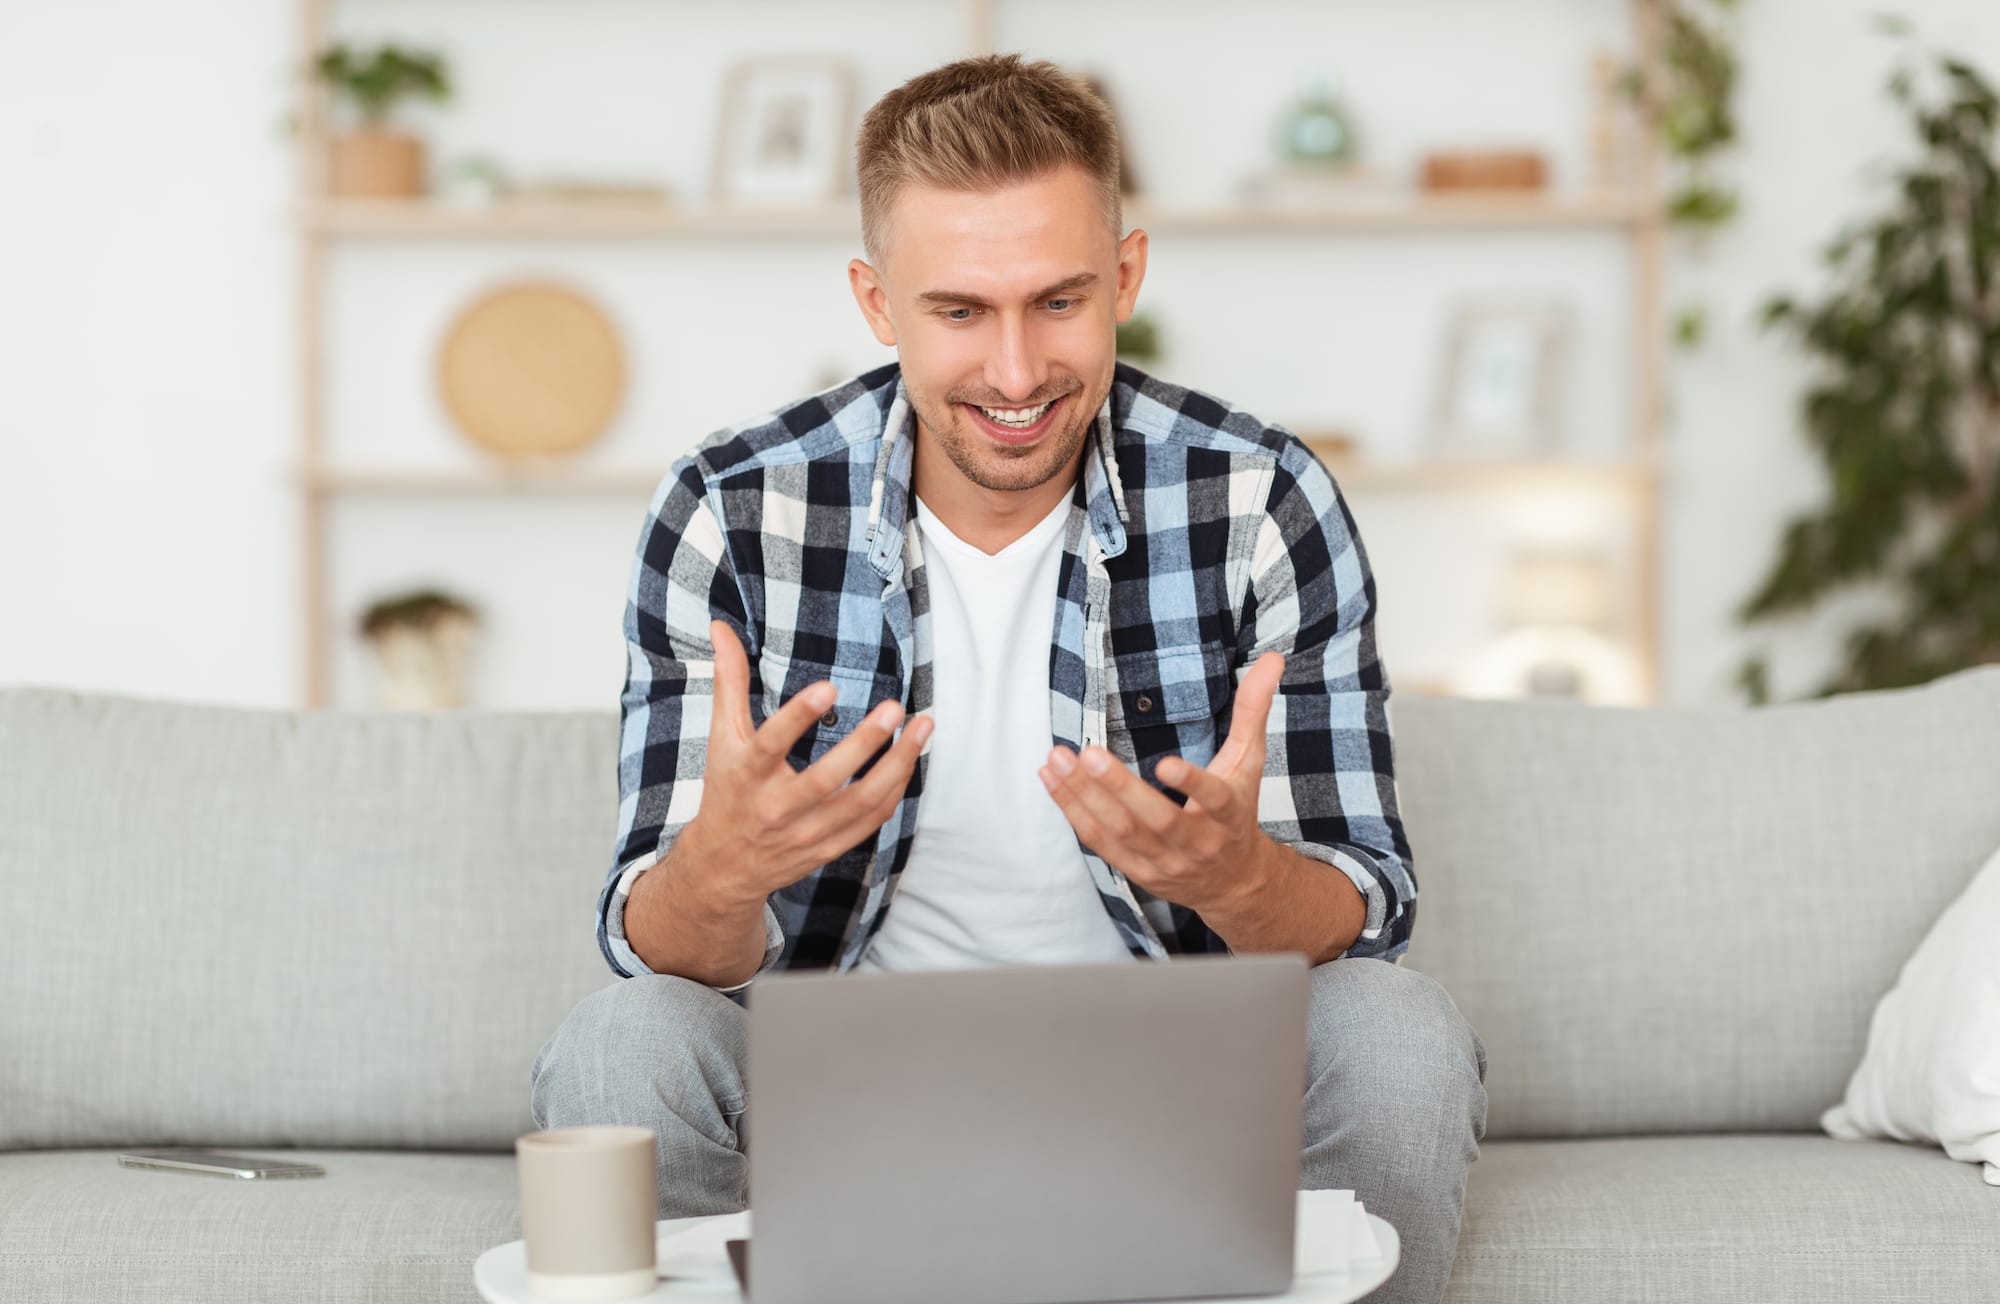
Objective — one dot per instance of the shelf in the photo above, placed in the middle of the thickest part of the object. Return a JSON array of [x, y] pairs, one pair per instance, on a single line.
[[428, 219], [558, 480], [1348, 472], [1432, 473]]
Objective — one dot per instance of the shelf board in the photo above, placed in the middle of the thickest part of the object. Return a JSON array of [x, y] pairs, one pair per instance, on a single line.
[[1348, 472], [1440, 473], [554, 480], [429, 219]]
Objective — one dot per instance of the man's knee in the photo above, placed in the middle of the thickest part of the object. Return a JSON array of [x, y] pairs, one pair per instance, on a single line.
[[667, 1032], [1394, 1035]]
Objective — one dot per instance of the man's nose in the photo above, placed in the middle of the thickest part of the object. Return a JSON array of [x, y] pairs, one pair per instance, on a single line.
[[1015, 370]]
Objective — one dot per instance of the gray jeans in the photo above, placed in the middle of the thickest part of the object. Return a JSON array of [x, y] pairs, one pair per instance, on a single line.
[[1395, 1098]]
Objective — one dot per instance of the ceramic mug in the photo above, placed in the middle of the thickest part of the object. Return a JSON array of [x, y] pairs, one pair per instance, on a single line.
[[588, 1199]]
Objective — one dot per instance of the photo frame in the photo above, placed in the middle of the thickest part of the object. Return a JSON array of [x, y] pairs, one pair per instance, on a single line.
[[1504, 364], [785, 131]]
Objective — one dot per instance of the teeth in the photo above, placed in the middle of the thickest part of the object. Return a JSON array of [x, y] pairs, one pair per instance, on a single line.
[[1016, 416]]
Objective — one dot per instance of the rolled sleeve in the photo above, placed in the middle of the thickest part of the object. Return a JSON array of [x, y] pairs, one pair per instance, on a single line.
[[681, 579], [1329, 786]]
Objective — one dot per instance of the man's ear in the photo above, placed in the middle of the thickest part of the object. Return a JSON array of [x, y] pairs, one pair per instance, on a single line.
[[1131, 271], [874, 300]]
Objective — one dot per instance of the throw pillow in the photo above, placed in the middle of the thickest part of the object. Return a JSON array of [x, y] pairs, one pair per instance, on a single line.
[[1931, 1071]]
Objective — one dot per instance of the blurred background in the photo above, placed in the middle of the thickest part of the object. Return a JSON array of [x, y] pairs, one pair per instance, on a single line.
[[1655, 344]]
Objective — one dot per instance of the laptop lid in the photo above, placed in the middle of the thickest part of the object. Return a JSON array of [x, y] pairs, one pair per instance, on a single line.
[[1027, 1135]]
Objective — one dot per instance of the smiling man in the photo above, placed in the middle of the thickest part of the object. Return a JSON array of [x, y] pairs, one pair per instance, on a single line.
[[1009, 653]]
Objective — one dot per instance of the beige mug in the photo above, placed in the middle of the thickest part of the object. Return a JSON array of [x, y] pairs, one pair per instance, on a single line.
[[588, 1199]]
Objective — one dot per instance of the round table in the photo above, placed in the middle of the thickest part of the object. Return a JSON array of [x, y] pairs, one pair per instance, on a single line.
[[501, 1276]]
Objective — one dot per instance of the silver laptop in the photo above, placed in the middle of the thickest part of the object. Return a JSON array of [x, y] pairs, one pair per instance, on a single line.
[[1026, 1135]]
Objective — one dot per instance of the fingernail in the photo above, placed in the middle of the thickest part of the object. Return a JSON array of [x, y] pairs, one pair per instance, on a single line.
[[1061, 761], [889, 714], [1096, 762], [1048, 780]]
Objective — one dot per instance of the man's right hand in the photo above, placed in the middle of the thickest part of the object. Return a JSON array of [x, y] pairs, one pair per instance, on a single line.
[[763, 825]]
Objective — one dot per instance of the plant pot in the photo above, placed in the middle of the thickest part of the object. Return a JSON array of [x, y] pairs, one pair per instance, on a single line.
[[376, 165]]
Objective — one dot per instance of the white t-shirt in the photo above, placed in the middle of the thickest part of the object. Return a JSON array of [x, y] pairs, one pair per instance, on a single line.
[[995, 875]]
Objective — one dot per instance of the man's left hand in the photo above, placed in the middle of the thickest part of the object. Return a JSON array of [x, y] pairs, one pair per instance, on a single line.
[[1209, 851]]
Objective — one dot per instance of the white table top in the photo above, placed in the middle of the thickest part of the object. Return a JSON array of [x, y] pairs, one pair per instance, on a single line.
[[501, 1275]]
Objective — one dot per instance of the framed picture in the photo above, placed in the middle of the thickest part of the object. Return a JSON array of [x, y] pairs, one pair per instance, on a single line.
[[784, 131], [1503, 371]]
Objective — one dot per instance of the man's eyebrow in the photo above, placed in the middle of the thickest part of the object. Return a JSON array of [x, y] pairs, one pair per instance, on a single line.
[[1076, 282]]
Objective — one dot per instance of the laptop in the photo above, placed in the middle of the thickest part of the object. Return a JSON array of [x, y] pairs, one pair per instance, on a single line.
[[1052, 1134]]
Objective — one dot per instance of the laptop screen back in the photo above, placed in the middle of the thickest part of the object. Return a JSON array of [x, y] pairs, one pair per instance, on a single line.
[[1027, 1135]]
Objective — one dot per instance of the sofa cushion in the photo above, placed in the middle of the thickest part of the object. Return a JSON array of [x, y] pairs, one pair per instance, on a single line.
[[385, 1227], [234, 927], [1723, 1219], [1681, 919]]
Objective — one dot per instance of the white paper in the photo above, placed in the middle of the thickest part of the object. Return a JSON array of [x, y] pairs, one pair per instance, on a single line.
[[697, 1253], [1332, 1233]]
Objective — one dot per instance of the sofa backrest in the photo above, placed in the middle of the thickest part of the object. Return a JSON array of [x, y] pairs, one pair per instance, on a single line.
[[228, 926], [245, 927], [1678, 920]]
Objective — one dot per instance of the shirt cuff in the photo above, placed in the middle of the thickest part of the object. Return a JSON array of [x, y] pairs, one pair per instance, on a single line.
[[621, 949], [1364, 880]]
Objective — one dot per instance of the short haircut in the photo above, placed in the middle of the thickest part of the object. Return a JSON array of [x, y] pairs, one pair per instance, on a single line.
[[978, 124]]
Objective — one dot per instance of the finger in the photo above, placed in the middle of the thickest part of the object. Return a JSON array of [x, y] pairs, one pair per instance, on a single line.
[[778, 735], [1121, 801], [731, 709], [868, 803], [1249, 717], [1209, 793], [824, 776]]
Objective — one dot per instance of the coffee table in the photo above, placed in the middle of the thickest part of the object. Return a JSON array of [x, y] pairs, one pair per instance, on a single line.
[[501, 1276]]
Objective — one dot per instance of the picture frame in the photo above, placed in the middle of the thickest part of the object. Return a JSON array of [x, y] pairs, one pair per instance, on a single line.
[[785, 131], [1504, 365]]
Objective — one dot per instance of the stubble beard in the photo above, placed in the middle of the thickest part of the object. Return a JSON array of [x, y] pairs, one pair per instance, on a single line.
[[995, 466]]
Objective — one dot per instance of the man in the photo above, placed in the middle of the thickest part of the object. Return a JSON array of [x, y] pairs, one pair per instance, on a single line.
[[1126, 632]]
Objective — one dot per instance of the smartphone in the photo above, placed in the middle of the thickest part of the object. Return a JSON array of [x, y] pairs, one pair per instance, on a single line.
[[217, 1163]]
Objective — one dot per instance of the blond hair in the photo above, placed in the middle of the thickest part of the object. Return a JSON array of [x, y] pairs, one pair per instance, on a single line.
[[977, 124]]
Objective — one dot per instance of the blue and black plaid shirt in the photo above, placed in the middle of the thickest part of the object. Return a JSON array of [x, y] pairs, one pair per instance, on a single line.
[[1199, 538]]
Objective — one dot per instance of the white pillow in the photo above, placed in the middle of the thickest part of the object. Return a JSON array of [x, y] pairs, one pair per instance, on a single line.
[[1931, 1071]]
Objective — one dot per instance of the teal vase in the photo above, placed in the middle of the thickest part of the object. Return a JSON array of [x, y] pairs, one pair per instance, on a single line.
[[1317, 130]]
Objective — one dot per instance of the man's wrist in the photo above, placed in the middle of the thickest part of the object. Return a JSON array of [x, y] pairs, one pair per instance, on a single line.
[[696, 855]]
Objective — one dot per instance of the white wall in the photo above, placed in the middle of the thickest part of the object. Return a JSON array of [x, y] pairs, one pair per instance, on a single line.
[[147, 537]]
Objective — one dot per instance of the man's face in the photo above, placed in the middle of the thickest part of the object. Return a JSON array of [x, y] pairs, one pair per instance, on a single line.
[[1003, 299]]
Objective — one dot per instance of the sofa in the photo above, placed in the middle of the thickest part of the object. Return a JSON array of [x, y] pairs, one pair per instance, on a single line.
[[346, 934]]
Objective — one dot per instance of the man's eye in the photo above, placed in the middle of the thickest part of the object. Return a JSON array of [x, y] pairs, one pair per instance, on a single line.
[[1060, 304], [949, 311]]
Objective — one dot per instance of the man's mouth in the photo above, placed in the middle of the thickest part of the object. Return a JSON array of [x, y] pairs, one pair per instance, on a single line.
[[1015, 425]]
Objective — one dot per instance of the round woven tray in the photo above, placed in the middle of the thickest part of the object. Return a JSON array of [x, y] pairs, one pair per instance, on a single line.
[[531, 369]]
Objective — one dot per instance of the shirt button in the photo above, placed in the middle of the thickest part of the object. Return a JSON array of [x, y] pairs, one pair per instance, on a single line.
[[831, 718], [1144, 703]]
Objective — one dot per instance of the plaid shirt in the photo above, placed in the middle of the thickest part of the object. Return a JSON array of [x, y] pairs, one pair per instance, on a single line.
[[1198, 539]]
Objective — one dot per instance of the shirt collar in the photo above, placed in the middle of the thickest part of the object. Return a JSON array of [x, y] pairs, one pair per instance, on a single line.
[[889, 491]]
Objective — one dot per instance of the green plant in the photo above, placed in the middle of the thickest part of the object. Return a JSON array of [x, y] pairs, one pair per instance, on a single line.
[[1690, 102], [416, 609], [1906, 409], [376, 81], [1139, 338]]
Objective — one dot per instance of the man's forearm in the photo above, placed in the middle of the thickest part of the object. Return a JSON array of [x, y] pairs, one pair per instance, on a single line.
[[680, 923], [1286, 905]]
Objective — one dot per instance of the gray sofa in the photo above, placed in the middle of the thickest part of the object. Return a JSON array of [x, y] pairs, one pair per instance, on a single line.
[[348, 934]]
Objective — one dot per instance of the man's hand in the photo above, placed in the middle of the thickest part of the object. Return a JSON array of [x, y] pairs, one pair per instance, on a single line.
[[763, 824], [1209, 851]]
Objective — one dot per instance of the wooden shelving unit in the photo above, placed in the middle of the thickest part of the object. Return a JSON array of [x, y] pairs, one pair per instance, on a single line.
[[1636, 213], [422, 219]]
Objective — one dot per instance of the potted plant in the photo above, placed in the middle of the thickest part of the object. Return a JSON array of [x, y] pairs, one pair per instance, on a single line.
[[424, 641], [1904, 407], [375, 160]]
